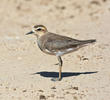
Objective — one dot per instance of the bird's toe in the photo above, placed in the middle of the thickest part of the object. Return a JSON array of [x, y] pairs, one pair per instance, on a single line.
[[55, 79]]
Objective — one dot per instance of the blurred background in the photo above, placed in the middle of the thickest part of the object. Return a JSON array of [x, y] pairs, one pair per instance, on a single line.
[[63, 16]]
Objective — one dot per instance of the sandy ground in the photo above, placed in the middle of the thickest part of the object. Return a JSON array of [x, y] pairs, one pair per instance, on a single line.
[[26, 72]]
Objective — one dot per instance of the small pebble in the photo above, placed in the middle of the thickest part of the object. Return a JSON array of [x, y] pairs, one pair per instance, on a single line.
[[42, 97], [14, 89], [24, 91], [40, 90], [76, 88], [53, 87]]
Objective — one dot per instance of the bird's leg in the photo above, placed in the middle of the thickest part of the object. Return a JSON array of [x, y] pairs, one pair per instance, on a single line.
[[60, 69]]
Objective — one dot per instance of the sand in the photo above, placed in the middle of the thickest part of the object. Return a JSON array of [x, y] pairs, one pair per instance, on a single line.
[[26, 72]]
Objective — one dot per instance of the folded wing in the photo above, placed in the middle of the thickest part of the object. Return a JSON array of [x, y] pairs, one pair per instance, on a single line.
[[58, 42]]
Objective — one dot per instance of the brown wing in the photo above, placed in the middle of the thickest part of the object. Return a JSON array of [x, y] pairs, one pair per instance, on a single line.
[[58, 42]]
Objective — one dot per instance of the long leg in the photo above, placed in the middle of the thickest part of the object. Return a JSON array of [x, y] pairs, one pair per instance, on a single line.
[[60, 69]]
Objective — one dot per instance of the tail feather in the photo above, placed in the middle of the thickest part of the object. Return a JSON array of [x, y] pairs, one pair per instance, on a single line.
[[88, 41]]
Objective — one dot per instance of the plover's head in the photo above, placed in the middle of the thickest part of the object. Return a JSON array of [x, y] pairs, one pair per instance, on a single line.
[[38, 30]]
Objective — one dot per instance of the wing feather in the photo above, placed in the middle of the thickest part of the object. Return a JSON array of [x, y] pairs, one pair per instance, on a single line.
[[58, 42]]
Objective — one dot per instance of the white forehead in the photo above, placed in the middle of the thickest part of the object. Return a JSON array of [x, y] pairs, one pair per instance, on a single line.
[[39, 27]]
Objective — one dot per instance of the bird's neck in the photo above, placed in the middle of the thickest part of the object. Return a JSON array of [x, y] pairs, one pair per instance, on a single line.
[[40, 34]]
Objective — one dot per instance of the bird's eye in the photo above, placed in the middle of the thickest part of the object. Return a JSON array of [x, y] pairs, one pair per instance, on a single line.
[[39, 29]]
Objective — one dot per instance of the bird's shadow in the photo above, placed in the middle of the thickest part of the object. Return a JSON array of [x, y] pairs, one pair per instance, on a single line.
[[64, 74]]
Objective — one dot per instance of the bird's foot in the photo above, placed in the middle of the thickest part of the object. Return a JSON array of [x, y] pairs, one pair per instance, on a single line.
[[56, 79]]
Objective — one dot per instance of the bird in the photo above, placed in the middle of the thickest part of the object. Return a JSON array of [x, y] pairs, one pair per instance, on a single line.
[[57, 45]]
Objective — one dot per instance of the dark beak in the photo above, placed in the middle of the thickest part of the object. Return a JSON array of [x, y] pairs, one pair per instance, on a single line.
[[31, 32]]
